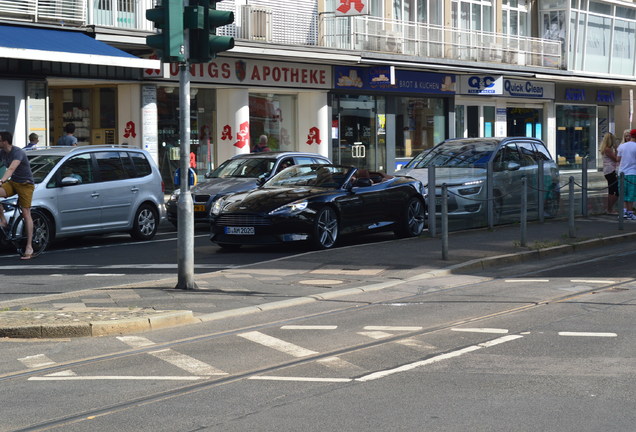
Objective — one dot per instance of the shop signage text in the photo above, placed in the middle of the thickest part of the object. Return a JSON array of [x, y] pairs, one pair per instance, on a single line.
[[528, 89], [253, 72], [378, 79], [588, 95], [487, 85]]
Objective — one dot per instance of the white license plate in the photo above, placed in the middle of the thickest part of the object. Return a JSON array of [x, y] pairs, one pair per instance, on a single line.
[[239, 230]]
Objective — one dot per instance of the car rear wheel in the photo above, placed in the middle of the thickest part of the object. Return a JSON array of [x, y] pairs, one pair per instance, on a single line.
[[146, 223], [413, 219], [326, 229]]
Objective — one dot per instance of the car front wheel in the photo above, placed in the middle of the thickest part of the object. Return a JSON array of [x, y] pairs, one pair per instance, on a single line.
[[413, 219], [146, 223], [326, 229]]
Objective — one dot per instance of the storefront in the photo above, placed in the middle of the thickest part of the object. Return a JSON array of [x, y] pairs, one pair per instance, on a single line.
[[234, 102], [583, 115], [382, 117]]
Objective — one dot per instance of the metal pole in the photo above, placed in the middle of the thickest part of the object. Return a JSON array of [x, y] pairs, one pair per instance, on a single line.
[[584, 210], [444, 222], [489, 194], [432, 206], [524, 211], [185, 207], [541, 197], [621, 200], [571, 230]]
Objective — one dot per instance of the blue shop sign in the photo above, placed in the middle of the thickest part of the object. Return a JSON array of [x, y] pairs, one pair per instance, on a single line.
[[380, 79], [528, 89]]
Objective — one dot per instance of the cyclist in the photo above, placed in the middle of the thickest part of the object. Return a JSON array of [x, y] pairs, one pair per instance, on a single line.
[[20, 183]]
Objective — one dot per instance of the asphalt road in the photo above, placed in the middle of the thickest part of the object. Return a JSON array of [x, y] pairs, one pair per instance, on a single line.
[[526, 348]]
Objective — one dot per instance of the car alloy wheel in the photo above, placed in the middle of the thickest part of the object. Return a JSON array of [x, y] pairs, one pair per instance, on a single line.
[[413, 219], [325, 228], [145, 224]]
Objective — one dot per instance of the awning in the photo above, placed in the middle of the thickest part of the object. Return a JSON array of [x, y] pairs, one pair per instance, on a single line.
[[63, 46]]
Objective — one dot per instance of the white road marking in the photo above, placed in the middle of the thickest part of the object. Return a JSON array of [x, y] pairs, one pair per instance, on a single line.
[[186, 363], [277, 344], [302, 379], [338, 363], [65, 373], [309, 327], [36, 361], [136, 341], [105, 274], [376, 334], [436, 359], [480, 330], [588, 334], [527, 280], [592, 281], [118, 378], [414, 343], [392, 328]]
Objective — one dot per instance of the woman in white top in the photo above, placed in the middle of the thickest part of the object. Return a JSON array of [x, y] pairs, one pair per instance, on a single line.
[[610, 164]]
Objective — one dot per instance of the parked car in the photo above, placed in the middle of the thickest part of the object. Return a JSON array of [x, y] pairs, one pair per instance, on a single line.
[[96, 190], [318, 203], [237, 174], [462, 164]]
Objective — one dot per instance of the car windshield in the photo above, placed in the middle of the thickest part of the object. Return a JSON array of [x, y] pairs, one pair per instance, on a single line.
[[324, 176], [41, 166], [243, 168], [456, 154]]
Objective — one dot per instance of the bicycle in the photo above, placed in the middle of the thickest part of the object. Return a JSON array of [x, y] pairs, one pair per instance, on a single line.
[[15, 231]]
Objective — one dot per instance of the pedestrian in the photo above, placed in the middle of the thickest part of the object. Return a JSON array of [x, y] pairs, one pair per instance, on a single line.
[[17, 180], [68, 139], [627, 166], [33, 142], [610, 163], [261, 145]]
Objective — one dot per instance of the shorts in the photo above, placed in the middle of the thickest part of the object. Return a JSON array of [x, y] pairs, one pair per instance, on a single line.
[[612, 183], [23, 190], [630, 188]]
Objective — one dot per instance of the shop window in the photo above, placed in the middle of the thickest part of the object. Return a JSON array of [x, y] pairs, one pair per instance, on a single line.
[[576, 132], [273, 115]]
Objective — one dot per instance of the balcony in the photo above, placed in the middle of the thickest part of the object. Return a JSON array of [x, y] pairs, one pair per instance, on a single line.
[[372, 34]]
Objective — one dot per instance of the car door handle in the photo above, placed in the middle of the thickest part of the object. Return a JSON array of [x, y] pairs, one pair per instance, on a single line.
[[134, 189], [95, 194]]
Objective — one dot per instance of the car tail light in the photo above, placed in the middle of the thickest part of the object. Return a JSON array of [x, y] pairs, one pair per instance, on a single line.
[[163, 187]]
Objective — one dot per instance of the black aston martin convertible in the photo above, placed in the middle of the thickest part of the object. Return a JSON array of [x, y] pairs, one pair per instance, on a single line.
[[318, 203]]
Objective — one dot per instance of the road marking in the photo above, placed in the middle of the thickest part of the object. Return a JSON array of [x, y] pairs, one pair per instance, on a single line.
[[416, 344], [588, 334], [309, 327], [592, 281], [302, 379], [436, 359], [117, 378], [36, 361], [527, 280], [136, 341], [186, 363], [392, 328], [338, 363], [480, 330], [65, 373], [104, 274], [376, 334], [277, 344]]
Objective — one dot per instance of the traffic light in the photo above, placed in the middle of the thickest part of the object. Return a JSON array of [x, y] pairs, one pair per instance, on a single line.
[[168, 17], [202, 19]]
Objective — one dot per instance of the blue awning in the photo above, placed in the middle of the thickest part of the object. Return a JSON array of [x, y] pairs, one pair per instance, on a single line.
[[28, 43]]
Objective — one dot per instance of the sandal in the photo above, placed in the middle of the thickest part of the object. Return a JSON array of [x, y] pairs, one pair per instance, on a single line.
[[26, 257]]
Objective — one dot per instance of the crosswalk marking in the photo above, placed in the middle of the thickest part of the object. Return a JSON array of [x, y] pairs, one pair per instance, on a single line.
[[309, 327], [136, 341], [277, 344], [480, 330], [375, 334], [36, 361], [392, 328], [187, 363], [588, 334], [414, 343], [338, 363], [303, 379]]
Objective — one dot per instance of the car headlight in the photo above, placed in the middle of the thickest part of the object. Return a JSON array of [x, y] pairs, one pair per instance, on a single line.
[[294, 207], [217, 207], [175, 195], [473, 188]]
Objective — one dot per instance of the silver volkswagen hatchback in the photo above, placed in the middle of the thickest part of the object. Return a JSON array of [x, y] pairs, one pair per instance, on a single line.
[[96, 190], [462, 164]]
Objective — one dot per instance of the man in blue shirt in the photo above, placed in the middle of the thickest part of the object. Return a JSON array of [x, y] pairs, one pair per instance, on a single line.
[[68, 139], [17, 180]]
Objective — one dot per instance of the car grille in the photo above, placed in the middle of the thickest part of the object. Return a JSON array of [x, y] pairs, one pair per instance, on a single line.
[[200, 198], [241, 220]]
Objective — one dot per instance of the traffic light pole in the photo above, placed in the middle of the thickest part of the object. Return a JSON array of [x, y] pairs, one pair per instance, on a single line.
[[185, 208]]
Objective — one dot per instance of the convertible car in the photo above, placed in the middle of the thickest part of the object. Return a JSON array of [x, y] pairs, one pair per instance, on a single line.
[[318, 203]]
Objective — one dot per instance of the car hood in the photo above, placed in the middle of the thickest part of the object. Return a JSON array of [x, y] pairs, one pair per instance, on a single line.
[[225, 185], [450, 176], [268, 199]]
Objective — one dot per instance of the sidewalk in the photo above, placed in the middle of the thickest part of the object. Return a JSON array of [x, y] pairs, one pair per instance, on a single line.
[[296, 280]]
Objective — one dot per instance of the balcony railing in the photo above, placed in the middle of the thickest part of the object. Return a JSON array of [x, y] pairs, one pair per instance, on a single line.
[[366, 33], [61, 12]]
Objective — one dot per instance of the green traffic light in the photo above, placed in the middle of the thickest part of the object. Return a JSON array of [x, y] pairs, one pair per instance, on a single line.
[[169, 19]]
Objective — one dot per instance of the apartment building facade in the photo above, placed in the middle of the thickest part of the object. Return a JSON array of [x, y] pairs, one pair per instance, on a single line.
[[365, 82]]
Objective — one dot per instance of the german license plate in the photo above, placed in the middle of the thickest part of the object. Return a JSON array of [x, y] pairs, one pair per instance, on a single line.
[[199, 207], [240, 230]]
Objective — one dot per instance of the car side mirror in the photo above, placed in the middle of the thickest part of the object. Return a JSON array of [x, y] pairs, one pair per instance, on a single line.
[[69, 181], [260, 181], [512, 166]]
